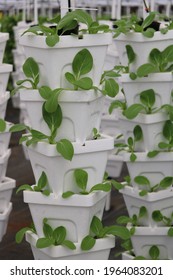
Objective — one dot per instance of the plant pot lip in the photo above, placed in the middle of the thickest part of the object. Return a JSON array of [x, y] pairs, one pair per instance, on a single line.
[[139, 37], [77, 200], [147, 118], [4, 67], [5, 156], [150, 197], [6, 213], [61, 251], [3, 36], [153, 77], [7, 184], [68, 41], [142, 157], [4, 97], [148, 230], [65, 95], [106, 143]]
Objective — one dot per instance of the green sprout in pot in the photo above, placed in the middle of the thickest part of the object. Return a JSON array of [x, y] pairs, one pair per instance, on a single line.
[[67, 25], [135, 219], [40, 187], [97, 231], [81, 179]]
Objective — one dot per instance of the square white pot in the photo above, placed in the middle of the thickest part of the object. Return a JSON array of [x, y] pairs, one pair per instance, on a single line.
[[81, 110], [161, 83], [5, 70], [155, 169], [56, 61], [3, 164], [141, 45], [100, 251], [161, 200], [4, 220], [146, 237], [110, 125], [91, 157], [74, 213], [6, 188], [5, 139], [3, 40], [114, 165], [3, 104], [152, 128]]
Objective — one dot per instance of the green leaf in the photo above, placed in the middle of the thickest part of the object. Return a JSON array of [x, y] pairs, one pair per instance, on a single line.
[[38, 135], [154, 252], [132, 111], [166, 182], [168, 130], [81, 178], [30, 68], [96, 226], [111, 87], [119, 231], [142, 180], [70, 26], [82, 63], [2, 125], [53, 119], [142, 211], [157, 216], [170, 232], [24, 188], [18, 127], [42, 182], [117, 185], [52, 103], [155, 57], [88, 243], [130, 54], [65, 148], [167, 54], [133, 157], [146, 69], [20, 234], [52, 40], [45, 92], [70, 78], [59, 235], [67, 194], [123, 220], [152, 154], [130, 141], [44, 242], [48, 231], [148, 20], [70, 245], [138, 134], [149, 33], [147, 97], [143, 192], [85, 83], [105, 187], [46, 192]]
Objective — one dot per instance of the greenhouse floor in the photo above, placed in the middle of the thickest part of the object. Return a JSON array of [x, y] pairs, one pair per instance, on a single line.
[[19, 168]]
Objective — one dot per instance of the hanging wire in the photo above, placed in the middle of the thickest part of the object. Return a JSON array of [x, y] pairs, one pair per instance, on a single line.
[[147, 8]]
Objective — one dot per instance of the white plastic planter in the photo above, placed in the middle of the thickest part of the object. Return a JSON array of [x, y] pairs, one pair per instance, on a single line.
[[5, 70], [6, 188], [55, 62], [100, 251], [19, 59], [145, 237], [3, 164], [74, 213], [152, 128], [81, 111], [161, 200], [4, 220], [110, 125], [3, 40], [161, 83], [91, 157], [5, 139], [141, 45], [114, 165], [155, 169], [3, 104]]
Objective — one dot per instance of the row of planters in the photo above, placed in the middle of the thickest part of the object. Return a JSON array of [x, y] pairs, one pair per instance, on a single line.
[[147, 125], [64, 101], [6, 184]]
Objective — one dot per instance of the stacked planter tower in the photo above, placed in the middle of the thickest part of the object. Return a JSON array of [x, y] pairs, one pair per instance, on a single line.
[[6, 184]]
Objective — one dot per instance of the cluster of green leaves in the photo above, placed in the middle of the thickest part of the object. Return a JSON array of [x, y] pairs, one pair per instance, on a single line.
[[55, 237], [40, 187], [135, 219], [67, 25], [131, 143], [145, 182], [81, 179], [157, 216], [2, 125], [134, 23], [97, 231]]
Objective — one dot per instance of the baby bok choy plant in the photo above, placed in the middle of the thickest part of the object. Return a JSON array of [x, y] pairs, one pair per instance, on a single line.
[[55, 237], [40, 187], [97, 231], [81, 179]]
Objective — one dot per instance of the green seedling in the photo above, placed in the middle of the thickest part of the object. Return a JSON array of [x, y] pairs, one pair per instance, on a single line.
[[81, 179], [96, 134], [97, 231], [40, 187]]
